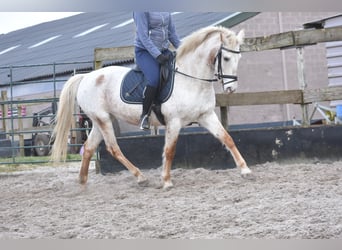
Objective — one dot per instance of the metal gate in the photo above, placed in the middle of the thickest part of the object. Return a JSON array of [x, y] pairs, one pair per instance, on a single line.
[[29, 101]]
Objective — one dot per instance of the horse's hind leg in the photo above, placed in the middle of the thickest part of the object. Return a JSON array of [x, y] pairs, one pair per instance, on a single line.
[[212, 123], [90, 146], [113, 148], [171, 138]]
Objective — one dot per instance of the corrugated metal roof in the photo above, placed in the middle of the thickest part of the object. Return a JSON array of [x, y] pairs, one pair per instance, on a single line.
[[319, 24], [74, 38]]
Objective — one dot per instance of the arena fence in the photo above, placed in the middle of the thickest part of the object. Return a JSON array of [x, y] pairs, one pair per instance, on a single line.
[[29, 101]]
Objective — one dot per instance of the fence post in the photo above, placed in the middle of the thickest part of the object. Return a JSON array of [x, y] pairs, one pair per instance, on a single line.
[[224, 116], [20, 129], [4, 110], [302, 84], [98, 64]]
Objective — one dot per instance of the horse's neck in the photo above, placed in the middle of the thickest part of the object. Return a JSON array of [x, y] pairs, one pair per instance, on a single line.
[[196, 65]]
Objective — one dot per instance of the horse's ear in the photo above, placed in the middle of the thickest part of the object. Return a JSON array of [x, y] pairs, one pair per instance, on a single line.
[[241, 36]]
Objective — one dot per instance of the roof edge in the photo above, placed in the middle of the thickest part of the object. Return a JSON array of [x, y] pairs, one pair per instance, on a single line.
[[236, 19]]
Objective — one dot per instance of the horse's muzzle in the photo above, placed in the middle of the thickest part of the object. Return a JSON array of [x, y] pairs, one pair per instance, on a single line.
[[230, 87]]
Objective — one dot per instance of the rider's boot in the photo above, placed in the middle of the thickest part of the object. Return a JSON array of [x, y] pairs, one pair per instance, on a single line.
[[149, 95]]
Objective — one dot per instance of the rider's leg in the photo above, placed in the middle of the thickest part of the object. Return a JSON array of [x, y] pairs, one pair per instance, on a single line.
[[151, 69]]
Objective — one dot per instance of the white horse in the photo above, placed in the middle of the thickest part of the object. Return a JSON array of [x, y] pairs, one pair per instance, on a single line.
[[208, 55]]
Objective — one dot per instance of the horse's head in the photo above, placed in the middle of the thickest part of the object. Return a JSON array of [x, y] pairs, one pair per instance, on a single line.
[[227, 59], [221, 49]]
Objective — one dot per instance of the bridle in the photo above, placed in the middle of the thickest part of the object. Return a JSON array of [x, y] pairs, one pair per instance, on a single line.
[[219, 73]]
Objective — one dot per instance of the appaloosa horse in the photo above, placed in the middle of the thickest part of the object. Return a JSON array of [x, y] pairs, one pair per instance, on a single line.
[[208, 55]]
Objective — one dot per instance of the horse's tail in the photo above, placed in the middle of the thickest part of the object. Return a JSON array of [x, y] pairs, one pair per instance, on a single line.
[[64, 118]]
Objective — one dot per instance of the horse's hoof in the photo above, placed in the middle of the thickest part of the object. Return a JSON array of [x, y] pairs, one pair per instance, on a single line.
[[142, 181], [167, 185], [247, 174], [245, 170]]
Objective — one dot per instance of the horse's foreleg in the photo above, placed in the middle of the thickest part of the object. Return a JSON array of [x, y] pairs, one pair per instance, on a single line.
[[113, 148], [115, 151], [227, 140], [212, 123], [171, 138], [90, 146]]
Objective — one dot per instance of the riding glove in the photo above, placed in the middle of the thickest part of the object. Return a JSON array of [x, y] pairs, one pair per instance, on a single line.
[[162, 59]]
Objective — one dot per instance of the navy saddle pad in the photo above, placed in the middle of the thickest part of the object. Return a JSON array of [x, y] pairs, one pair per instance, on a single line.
[[134, 82]]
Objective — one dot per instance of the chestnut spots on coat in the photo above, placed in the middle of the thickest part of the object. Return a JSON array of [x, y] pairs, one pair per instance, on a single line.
[[100, 79]]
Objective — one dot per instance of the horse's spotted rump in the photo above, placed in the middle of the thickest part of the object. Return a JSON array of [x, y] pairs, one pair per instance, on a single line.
[[100, 79]]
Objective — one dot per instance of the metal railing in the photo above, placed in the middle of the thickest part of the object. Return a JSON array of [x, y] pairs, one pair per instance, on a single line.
[[30, 93]]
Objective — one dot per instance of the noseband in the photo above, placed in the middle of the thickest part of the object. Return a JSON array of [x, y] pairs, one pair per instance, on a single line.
[[219, 74]]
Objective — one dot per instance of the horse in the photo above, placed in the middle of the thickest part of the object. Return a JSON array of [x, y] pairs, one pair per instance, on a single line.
[[204, 57]]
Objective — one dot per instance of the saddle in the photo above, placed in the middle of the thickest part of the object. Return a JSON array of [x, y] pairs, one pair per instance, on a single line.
[[134, 83]]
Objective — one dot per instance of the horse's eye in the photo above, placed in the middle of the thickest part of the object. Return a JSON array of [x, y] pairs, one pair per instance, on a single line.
[[226, 59]]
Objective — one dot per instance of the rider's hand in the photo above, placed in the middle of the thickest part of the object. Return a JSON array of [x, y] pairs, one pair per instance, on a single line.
[[162, 59]]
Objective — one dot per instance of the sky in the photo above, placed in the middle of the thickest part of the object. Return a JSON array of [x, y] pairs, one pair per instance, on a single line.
[[10, 21]]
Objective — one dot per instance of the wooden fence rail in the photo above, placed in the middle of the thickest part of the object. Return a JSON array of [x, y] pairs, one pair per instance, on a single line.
[[306, 96], [297, 38], [302, 97]]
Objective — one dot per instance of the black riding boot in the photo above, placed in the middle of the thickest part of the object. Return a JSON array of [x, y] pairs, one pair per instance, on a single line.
[[149, 95]]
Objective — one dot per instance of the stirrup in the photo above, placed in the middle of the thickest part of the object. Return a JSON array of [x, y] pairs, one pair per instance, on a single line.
[[144, 123]]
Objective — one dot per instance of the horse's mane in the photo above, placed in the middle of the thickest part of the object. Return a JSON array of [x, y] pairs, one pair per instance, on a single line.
[[191, 42]]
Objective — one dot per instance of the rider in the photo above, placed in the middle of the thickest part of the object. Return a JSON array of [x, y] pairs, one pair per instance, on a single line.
[[154, 32]]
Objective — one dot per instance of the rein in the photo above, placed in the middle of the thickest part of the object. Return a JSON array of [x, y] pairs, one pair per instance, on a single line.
[[219, 74], [193, 77]]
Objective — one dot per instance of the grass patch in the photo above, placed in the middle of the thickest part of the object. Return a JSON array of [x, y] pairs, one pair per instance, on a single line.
[[30, 162]]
